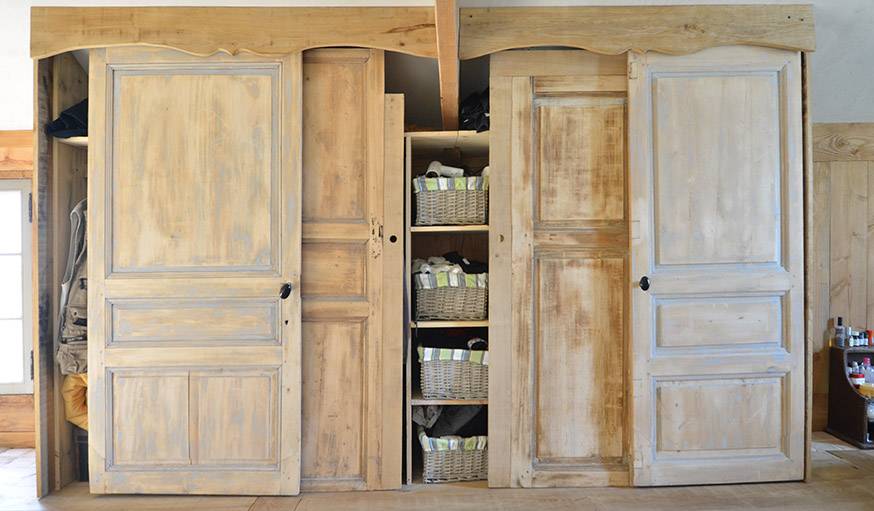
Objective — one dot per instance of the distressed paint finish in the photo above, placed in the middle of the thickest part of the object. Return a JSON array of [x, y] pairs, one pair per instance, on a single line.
[[181, 234], [715, 142], [563, 146]]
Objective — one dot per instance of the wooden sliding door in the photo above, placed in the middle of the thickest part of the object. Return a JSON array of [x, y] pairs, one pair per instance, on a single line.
[[559, 237], [352, 273], [194, 264], [717, 266]]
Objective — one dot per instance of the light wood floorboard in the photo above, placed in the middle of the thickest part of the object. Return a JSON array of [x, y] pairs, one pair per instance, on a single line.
[[843, 478]]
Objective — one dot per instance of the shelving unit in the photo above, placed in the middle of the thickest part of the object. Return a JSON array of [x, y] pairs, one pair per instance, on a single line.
[[453, 148]]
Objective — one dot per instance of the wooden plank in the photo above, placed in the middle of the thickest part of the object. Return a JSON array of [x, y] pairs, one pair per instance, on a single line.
[[561, 85], [16, 153], [675, 29], [43, 351], [848, 240], [389, 471], [446, 19], [450, 324], [843, 141], [206, 30], [16, 414], [540, 62], [449, 228], [68, 187], [818, 291], [809, 290]]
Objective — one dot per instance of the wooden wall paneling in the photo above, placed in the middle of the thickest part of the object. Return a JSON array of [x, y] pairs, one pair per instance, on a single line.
[[43, 353], [68, 187], [841, 249], [16, 421], [351, 362], [16, 154], [674, 29], [206, 30], [446, 21]]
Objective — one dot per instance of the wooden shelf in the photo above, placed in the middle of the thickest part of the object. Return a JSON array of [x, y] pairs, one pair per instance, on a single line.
[[450, 324], [435, 141], [74, 141], [418, 400], [449, 228]]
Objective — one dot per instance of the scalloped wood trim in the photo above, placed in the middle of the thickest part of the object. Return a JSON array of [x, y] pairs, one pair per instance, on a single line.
[[207, 30], [672, 29]]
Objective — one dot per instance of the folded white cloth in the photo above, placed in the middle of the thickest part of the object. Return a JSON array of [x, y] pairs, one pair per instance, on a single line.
[[435, 265]]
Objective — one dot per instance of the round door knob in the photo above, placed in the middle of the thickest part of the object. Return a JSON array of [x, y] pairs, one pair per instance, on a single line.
[[644, 283], [285, 290]]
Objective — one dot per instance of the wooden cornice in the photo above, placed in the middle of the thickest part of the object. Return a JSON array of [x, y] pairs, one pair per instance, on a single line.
[[259, 30], [672, 29]]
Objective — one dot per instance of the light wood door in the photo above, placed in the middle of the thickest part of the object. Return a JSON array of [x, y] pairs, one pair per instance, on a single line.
[[194, 199], [352, 273], [559, 253], [718, 339]]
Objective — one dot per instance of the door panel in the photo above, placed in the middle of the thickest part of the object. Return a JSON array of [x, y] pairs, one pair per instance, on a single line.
[[718, 339], [194, 197], [559, 388], [352, 276]]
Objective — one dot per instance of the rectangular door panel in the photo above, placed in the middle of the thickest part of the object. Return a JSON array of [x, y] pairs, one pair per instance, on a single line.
[[718, 338], [194, 204]]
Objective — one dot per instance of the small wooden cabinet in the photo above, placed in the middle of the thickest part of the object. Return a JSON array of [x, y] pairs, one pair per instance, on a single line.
[[847, 408]]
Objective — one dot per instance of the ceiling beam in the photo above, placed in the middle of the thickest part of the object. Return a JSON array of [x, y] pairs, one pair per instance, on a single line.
[[446, 20]]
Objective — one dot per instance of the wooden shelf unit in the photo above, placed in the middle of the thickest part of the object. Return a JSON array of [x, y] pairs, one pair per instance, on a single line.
[[452, 148]]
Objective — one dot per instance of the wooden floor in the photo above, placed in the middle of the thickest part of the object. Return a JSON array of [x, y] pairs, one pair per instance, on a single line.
[[843, 479]]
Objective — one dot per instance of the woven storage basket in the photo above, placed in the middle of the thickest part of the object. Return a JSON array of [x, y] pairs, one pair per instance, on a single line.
[[443, 465], [452, 207], [454, 379], [449, 466], [452, 303]]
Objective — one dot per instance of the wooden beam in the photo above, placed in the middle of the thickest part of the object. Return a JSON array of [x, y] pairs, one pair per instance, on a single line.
[[206, 30], [673, 29], [446, 18], [16, 154], [845, 141]]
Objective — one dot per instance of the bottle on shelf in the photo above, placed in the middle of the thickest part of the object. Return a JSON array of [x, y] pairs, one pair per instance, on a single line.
[[840, 333]]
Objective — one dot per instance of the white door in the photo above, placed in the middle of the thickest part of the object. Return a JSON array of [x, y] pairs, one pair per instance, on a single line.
[[194, 264], [716, 185]]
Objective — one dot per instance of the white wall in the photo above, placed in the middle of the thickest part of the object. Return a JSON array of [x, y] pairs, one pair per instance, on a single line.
[[842, 66]]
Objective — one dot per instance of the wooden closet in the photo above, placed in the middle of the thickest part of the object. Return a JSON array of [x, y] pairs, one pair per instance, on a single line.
[[250, 240]]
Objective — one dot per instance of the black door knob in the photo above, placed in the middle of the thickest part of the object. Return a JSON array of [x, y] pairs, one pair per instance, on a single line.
[[285, 290], [644, 283]]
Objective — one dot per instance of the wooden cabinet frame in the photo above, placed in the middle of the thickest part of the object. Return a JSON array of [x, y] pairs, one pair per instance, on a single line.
[[413, 30]]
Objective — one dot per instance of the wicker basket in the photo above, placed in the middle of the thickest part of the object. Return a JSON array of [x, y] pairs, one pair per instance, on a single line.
[[454, 379], [452, 303], [455, 465], [452, 207]]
